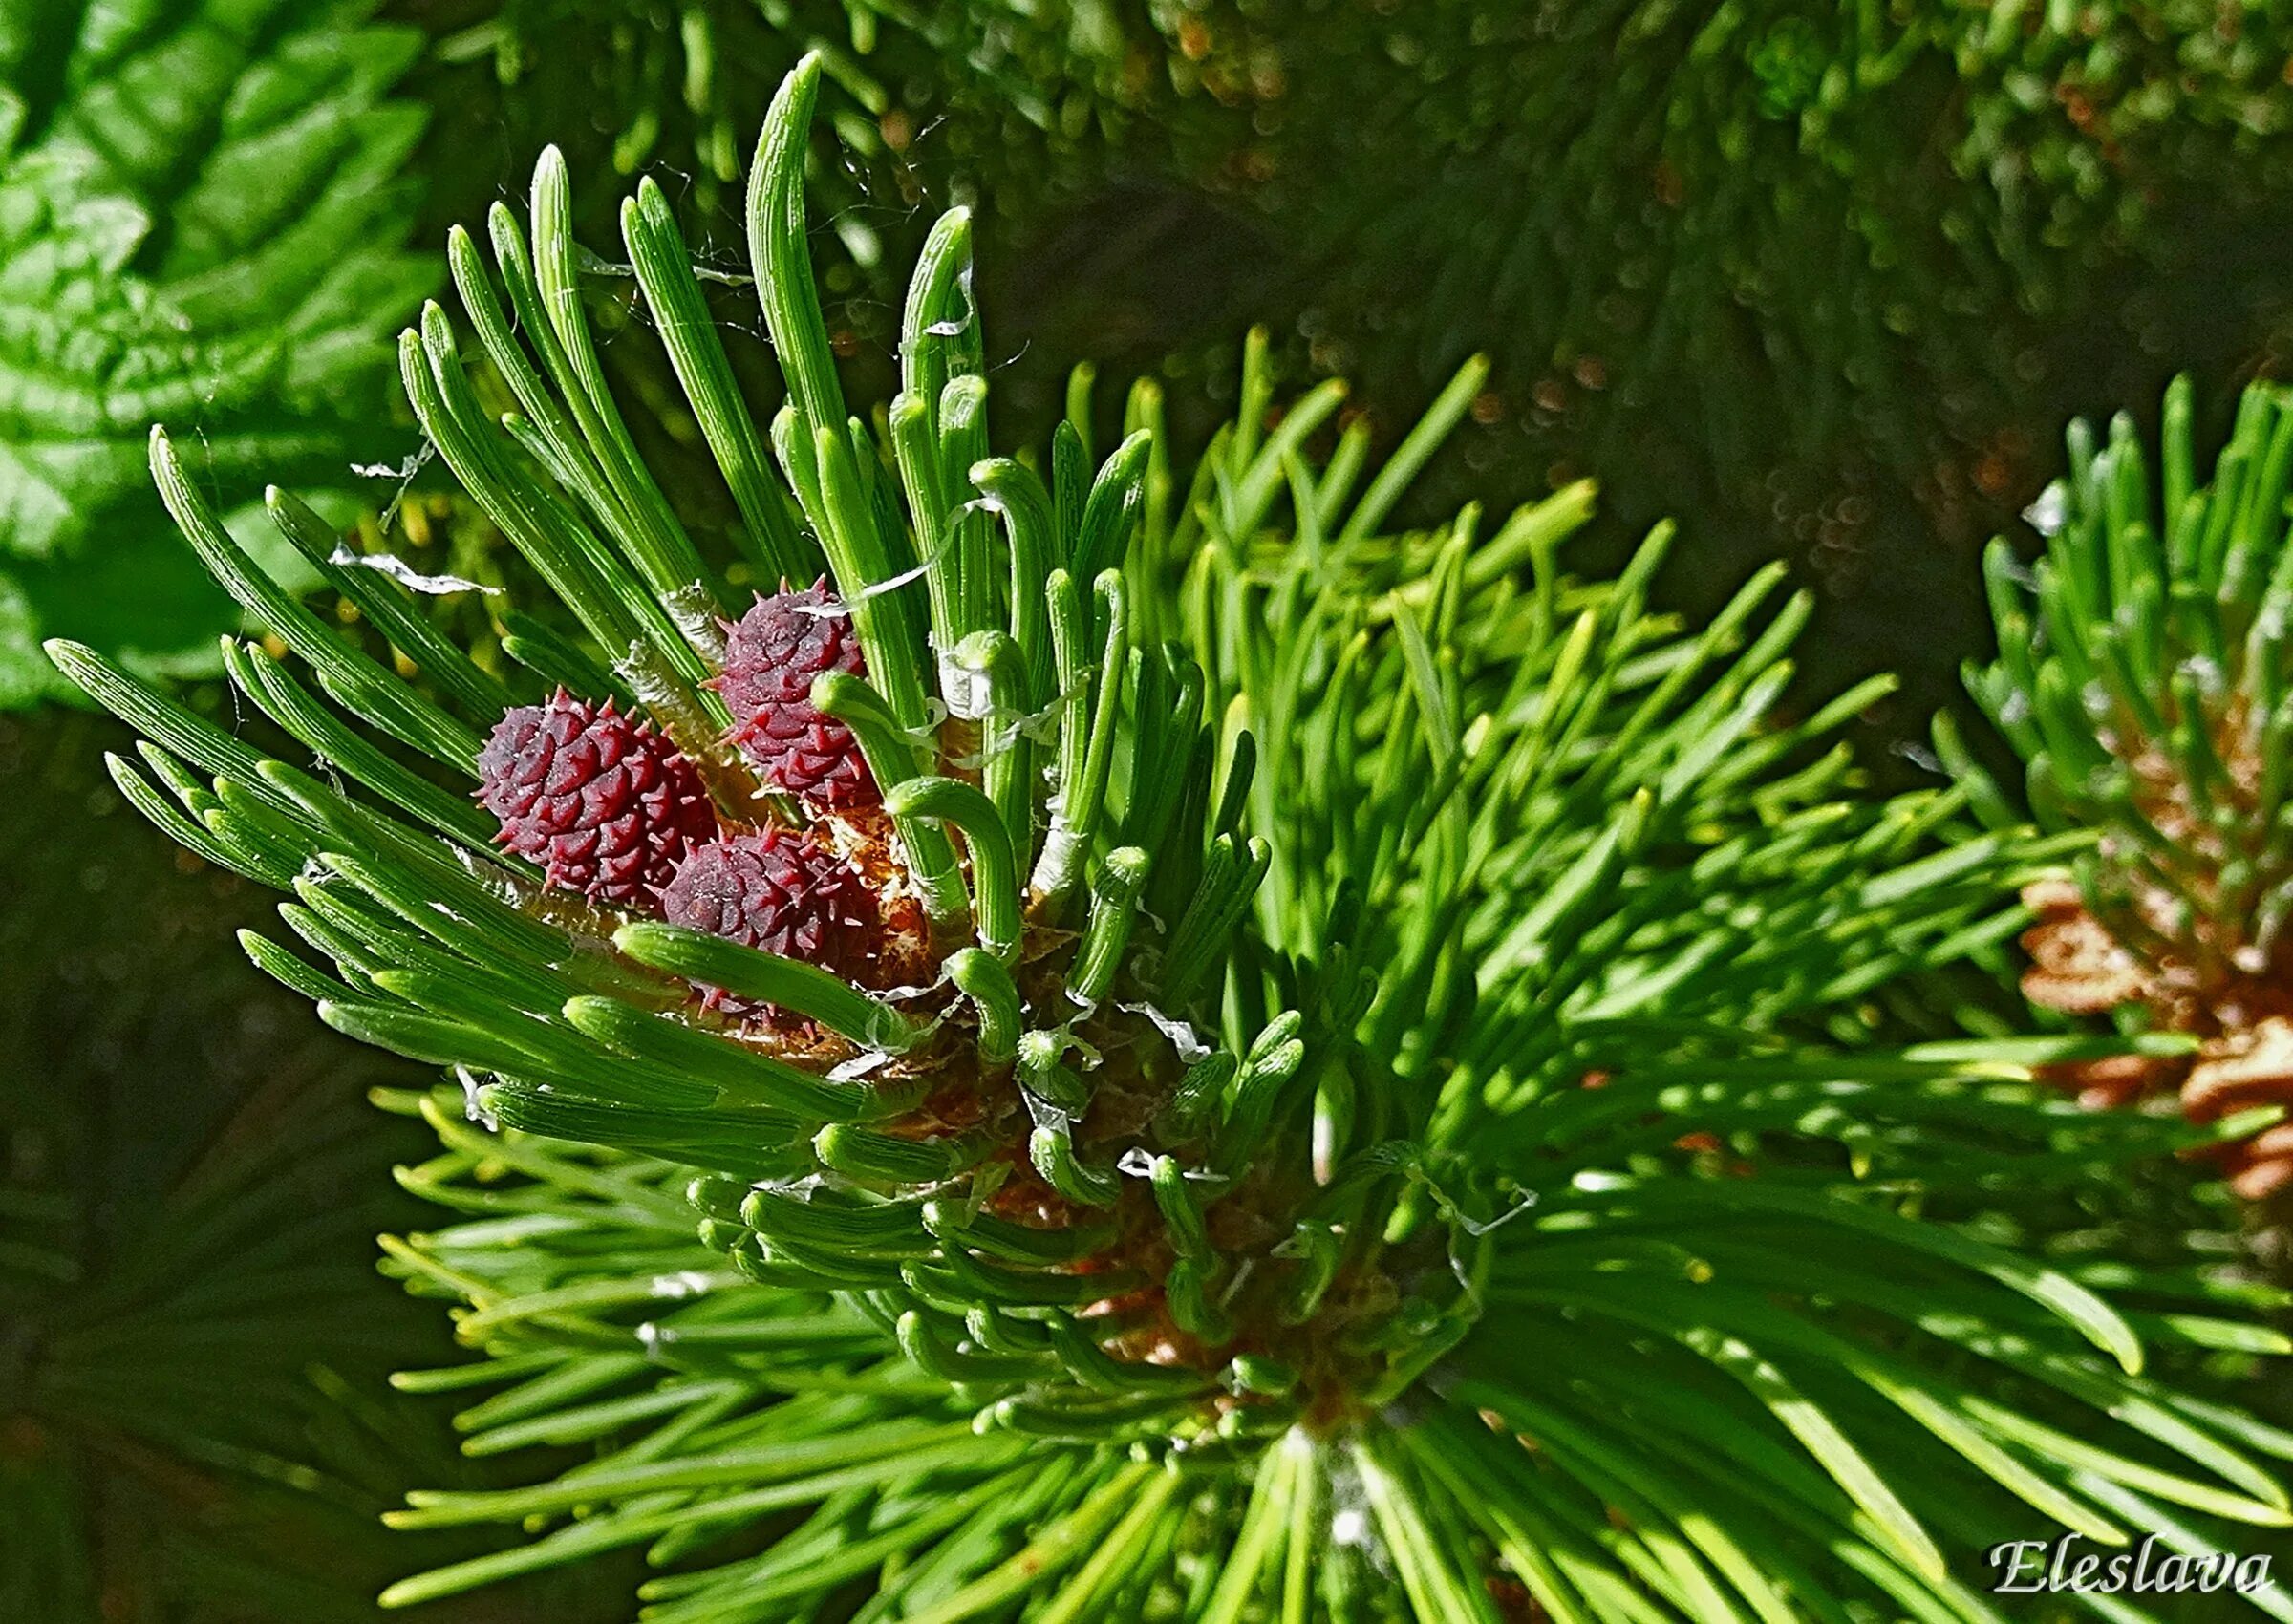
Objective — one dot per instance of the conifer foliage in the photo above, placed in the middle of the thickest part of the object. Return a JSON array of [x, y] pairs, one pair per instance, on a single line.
[[2142, 677], [191, 1344], [1338, 1072]]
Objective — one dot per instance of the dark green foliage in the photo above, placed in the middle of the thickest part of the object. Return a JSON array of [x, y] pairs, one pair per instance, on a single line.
[[1025, 106], [680, 85], [1809, 271], [191, 1337], [1807, 219]]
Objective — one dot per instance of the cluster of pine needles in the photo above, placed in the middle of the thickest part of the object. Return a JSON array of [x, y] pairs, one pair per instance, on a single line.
[[1365, 1077]]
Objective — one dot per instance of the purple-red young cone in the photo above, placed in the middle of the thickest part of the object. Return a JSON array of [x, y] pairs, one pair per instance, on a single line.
[[604, 804], [771, 656], [781, 892]]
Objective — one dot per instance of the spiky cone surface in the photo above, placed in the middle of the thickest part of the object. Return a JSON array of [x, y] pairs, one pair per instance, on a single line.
[[601, 802], [786, 894], [2142, 675], [1208, 1219], [772, 655]]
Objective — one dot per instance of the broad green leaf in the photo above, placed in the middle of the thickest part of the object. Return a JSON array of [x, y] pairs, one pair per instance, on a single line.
[[203, 208]]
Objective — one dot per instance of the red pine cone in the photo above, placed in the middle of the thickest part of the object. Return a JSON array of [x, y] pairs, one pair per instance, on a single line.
[[770, 659], [604, 804], [785, 894]]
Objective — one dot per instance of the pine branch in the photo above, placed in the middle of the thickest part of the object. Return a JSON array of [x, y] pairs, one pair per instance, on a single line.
[[2141, 677], [1138, 1095]]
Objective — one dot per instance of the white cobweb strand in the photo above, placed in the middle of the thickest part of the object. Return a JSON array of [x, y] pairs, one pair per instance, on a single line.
[[1182, 1036], [405, 574]]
